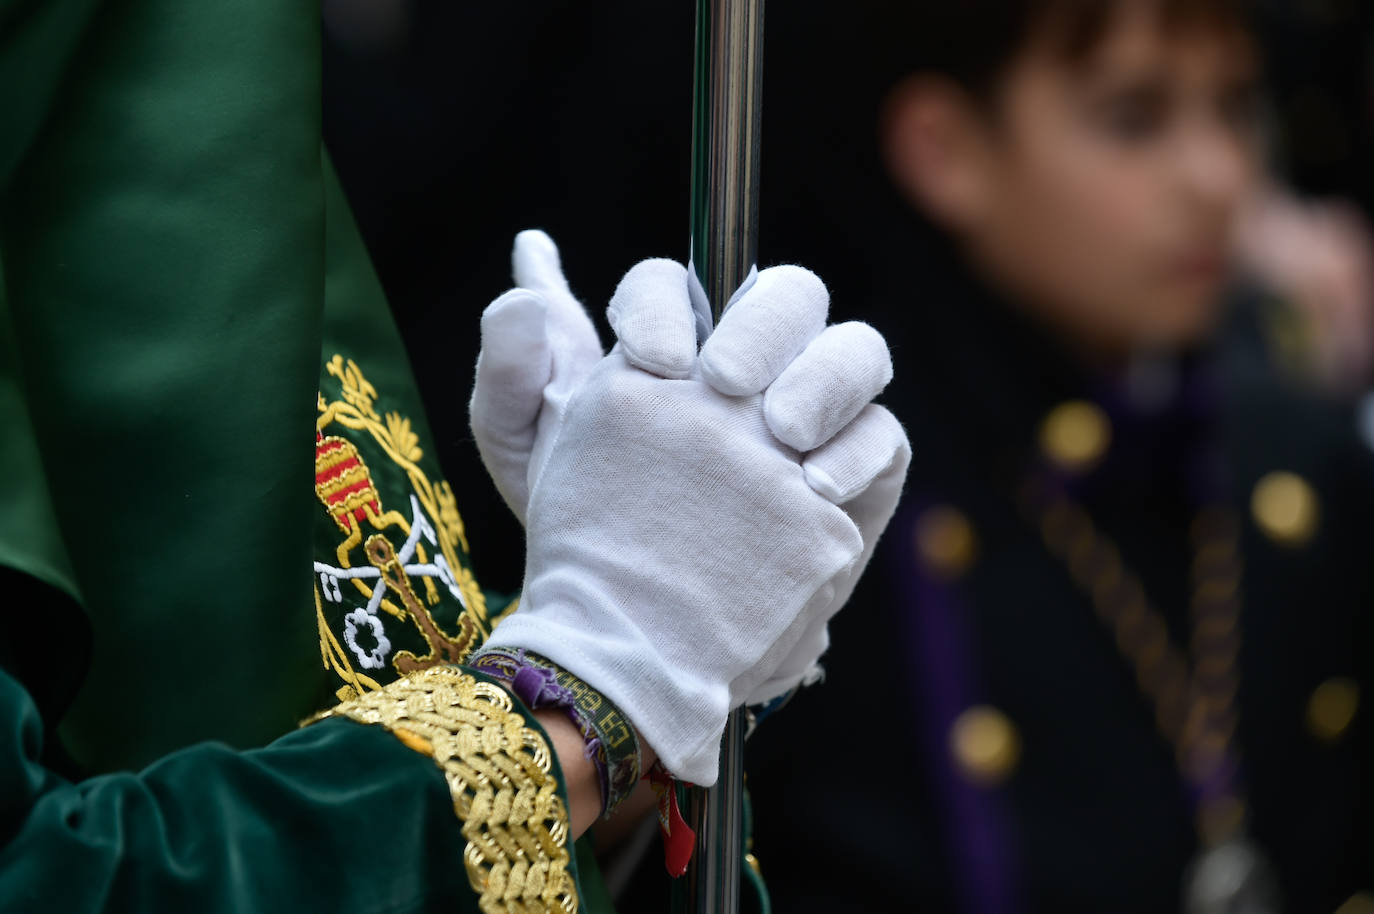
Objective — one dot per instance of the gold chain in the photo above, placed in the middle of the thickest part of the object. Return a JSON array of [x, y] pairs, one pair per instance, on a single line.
[[1194, 706]]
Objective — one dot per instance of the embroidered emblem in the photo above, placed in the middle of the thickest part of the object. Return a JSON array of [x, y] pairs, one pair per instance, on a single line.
[[408, 565]]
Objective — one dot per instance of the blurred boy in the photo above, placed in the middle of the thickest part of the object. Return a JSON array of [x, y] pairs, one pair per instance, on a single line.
[[1119, 639]]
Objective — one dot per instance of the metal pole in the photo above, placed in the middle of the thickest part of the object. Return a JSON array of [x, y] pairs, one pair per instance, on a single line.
[[726, 104]]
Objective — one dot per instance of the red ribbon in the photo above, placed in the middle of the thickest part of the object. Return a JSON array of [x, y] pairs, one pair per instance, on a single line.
[[678, 837]]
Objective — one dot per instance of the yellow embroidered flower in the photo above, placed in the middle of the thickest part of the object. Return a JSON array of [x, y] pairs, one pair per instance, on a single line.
[[403, 441], [357, 390], [448, 514]]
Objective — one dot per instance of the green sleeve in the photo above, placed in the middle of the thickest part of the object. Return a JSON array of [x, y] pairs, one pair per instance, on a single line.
[[336, 817], [162, 247]]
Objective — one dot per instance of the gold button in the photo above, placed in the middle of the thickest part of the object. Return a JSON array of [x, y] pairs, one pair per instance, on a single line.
[[985, 745], [1075, 435], [1359, 903], [945, 541], [1332, 708], [1285, 507]]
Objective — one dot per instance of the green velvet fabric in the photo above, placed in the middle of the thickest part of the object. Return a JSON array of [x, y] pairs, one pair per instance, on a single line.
[[336, 817]]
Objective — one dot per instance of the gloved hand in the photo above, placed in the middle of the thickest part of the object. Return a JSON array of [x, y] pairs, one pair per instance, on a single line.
[[537, 345], [694, 521]]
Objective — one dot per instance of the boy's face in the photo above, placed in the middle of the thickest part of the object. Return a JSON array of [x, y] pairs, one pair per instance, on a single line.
[[1101, 192]]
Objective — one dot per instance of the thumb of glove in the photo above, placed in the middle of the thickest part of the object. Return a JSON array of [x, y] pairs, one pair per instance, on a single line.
[[538, 344], [573, 340], [514, 366]]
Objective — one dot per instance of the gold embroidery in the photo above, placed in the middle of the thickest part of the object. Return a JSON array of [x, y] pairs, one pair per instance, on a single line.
[[344, 486], [433, 536], [406, 442], [499, 773], [355, 412], [442, 649], [448, 513], [342, 483], [356, 389]]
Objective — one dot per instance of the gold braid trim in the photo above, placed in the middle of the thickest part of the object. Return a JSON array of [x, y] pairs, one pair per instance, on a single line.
[[499, 773]]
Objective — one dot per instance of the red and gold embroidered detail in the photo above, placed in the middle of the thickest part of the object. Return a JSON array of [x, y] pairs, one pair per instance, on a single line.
[[390, 565], [342, 482]]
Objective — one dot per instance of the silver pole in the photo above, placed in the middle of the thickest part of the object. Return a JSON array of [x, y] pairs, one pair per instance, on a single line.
[[726, 105]]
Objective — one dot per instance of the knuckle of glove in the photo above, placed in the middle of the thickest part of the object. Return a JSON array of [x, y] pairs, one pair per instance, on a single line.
[[765, 330], [827, 385], [874, 446], [651, 314]]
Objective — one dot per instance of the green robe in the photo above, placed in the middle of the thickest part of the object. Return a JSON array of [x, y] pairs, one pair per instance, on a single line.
[[185, 306]]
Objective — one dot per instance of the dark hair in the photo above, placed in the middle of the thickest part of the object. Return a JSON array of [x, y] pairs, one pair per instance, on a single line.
[[974, 42]]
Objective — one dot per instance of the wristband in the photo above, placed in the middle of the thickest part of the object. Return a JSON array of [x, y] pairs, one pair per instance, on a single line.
[[610, 743]]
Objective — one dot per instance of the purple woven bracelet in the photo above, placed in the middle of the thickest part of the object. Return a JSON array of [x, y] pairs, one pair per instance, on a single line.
[[609, 742]]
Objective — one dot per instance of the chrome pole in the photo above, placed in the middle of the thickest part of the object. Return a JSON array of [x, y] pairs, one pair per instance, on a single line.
[[726, 105]]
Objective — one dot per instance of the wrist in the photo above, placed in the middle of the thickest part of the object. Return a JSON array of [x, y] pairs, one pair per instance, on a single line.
[[586, 719], [579, 774]]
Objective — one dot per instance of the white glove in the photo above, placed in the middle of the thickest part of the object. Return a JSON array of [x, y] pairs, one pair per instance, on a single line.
[[689, 519], [538, 345]]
